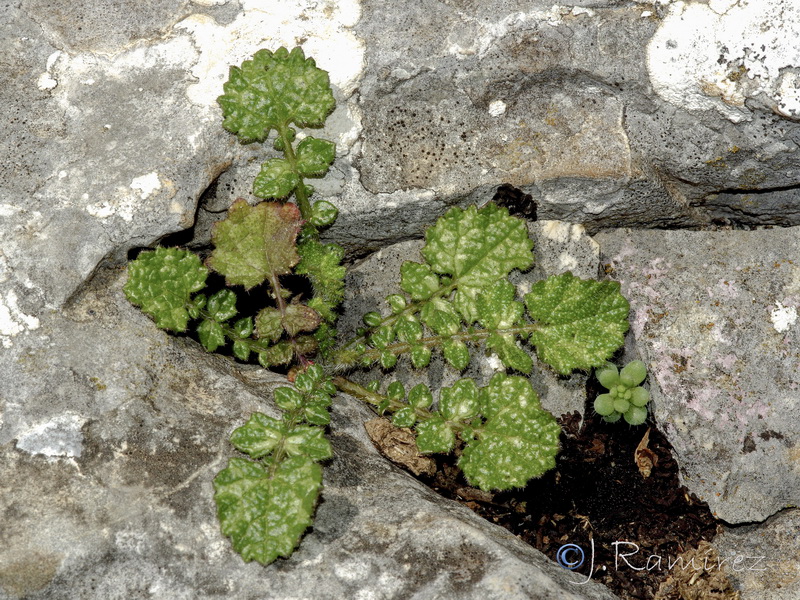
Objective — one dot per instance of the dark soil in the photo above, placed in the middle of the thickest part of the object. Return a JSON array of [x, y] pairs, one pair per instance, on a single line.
[[597, 496]]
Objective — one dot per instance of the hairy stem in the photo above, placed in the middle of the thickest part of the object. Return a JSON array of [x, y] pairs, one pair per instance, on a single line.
[[300, 192]]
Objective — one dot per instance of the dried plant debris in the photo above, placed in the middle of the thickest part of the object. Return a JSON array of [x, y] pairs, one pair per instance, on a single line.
[[699, 575], [398, 445]]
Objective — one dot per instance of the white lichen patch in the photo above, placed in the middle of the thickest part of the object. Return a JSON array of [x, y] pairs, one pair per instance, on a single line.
[[59, 437], [323, 28], [13, 320], [497, 108], [146, 184], [783, 317], [122, 205], [46, 80], [719, 54]]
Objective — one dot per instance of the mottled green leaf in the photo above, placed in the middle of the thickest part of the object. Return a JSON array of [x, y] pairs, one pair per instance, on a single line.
[[308, 441], [456, 353], [518, 442], [477, 247], [265, 514], [259, 436], [272, 90], [323, 213], [497, 308], [420, 356], [459, 402], [276, 180], [300, 317], [405, 417], [161, 283], [581, 322], [435, 436], [241, 349], [255, 242], [222, 305], [387, 359], [211, 335], [509, 353], [279, 354], [408, 329], [396, 391], [314, 156], [418, 280], [441, 317], [268, 324], [287, 398], [420, 396]]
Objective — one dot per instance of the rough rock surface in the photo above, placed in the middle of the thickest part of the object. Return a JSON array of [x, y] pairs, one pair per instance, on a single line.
[[763, 560], [609, 113], [715, 315], [112, 435]]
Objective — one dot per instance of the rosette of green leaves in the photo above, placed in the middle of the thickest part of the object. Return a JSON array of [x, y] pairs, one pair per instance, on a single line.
[[509, 438], [460, 296], [272, 92], [266, 502], [625, 397]]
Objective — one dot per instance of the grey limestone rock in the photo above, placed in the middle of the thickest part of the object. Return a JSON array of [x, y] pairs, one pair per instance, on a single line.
[[609, 113], [714, 315], [111, 437]]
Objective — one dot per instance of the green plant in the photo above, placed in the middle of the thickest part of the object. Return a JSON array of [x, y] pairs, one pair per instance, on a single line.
[[625, 398], [457, 299]]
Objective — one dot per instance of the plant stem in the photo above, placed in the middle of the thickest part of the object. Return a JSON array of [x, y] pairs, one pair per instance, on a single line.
[[300, 192]]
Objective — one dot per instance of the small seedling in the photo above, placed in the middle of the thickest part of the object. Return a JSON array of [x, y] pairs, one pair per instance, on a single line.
[[625, 398]]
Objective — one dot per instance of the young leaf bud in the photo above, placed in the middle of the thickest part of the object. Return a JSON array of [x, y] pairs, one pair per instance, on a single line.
[[633, 373], [639, 396], [608, 376], [604, 404]]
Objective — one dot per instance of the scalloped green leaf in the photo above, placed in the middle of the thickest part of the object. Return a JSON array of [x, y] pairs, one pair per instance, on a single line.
[[222, 305], [477, 246], [460, 401], [276, 180], [497, 308], [300, 317], [418, 280], [405, 417], [435, 436], [321, 263], [161, 283], [273, 90], [259, 436], [265, 512], [211, 335], [420, 356], [518, 441], [308, 441], [315, 156], [509, 353], [323, 213], [456, 353], [420, 396], [241, 350], [581, 322], [268, 324], [255, 242], [441, 317]]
